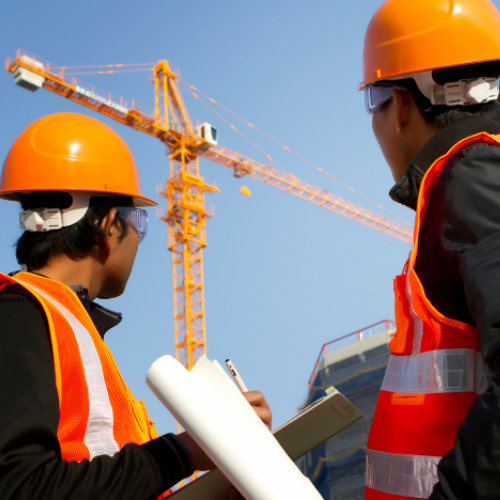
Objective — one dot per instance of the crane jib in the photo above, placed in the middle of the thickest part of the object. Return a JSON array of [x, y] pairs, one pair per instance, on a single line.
[[100, 99], [187, 212]]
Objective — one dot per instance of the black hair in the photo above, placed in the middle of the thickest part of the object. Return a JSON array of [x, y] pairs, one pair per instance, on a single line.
[[441, 116], [34, 249]]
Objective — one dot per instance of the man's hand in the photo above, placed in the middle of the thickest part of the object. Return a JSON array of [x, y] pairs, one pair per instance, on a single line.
[[260, 406], [234, 494], [201, 460]]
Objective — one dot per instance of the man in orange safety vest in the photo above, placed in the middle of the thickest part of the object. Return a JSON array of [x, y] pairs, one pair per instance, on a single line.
[[431, 82], [69, 426]]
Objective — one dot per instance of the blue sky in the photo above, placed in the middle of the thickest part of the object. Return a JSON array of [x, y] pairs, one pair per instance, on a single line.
[[282, 276]]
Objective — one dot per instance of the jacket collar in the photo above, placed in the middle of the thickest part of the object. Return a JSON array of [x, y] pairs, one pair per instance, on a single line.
[[103, 319], [406, 190]]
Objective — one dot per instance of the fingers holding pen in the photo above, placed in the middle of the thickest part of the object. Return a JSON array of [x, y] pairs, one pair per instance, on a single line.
[[260, 406], [254, 398]]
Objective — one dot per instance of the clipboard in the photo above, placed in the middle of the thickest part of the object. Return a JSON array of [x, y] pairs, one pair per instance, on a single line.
[[321, 420]]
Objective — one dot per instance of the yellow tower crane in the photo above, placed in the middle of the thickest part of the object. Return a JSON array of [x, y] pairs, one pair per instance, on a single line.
[[186, 212]]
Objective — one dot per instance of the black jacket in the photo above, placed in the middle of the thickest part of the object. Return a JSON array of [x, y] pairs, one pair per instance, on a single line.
[[458, 263], [31, 467]]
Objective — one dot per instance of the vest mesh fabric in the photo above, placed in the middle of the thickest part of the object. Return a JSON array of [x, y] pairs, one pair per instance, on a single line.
[[129, 418]]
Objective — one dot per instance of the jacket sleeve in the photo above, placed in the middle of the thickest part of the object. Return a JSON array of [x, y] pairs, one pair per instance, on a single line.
[[471, 236], [31, 467]]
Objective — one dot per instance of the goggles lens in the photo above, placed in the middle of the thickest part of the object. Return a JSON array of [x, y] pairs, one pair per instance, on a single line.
[[377, 96], [135, 217]]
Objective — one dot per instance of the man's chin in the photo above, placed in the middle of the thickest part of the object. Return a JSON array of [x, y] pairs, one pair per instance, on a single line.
[[111, 292]]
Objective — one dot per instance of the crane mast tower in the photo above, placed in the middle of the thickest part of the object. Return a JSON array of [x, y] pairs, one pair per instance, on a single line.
[[186, 216]]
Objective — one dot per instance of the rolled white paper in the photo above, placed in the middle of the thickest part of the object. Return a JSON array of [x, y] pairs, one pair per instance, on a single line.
[[214, 412]]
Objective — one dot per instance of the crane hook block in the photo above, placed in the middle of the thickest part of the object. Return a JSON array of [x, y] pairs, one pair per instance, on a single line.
[[245, 191]]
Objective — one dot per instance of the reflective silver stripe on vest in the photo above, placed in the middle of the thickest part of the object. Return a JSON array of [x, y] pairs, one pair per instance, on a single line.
[[418, 324], [405, 475], [445, 370], [99, 437], [484, 375]]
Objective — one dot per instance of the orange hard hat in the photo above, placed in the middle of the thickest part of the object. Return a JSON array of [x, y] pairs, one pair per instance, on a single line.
[[413, 36], [71, 152]]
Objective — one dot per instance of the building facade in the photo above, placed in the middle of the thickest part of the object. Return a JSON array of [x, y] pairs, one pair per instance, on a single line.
[[355, 364]]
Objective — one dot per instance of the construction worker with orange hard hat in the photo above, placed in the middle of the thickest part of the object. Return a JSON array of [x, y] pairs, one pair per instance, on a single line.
[[69, 426], [431, 72]]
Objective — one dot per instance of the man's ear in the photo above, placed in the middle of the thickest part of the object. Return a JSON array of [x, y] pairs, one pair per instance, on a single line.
[[106, 225], [401, 100]]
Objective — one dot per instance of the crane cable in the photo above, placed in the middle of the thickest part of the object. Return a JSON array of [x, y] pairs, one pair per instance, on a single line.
[[239, 133], [190, 87], [95, 71], [106, 72], [108, 66]]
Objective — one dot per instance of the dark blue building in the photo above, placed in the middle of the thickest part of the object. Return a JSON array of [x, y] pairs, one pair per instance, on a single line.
[[337, 467]]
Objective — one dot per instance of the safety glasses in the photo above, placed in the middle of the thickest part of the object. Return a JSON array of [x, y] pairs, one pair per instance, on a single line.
[[137, 218], [377, 95]]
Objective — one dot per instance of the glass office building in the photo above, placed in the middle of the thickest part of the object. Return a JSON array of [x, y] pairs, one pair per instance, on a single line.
[[355, 364]]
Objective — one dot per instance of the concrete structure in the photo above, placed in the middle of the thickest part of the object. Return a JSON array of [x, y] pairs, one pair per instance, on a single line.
[[355, 364]]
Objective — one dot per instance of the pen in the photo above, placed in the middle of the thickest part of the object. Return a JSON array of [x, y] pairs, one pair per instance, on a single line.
[[236, 376]]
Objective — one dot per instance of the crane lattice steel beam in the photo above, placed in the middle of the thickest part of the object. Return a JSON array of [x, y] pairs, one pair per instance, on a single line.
[[242, 165]]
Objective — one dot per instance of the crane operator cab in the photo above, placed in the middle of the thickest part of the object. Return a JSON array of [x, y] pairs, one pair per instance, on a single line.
[[26, 78], [208, 133]]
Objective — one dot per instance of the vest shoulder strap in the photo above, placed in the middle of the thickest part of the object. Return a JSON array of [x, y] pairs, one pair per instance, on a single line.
[[49, 310]]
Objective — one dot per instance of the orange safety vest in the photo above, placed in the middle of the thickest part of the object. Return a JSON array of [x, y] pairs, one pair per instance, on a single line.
[[98, 413], [434, 374]]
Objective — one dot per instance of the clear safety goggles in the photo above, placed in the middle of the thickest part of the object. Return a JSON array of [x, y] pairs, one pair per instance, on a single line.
[[377, 95], [137, 218]]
